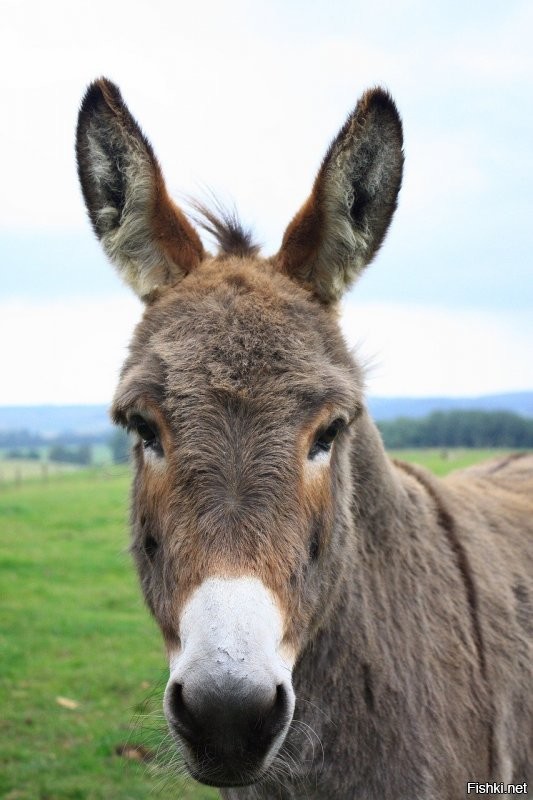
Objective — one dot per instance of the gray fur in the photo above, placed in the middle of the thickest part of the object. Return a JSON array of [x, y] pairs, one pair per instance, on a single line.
[[408, 599], [352, 203]]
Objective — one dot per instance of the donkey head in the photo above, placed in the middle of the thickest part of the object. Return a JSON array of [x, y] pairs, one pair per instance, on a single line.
[[243, 399]]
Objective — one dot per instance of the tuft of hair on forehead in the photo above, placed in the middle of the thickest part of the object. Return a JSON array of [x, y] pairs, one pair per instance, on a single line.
[[224, 225]]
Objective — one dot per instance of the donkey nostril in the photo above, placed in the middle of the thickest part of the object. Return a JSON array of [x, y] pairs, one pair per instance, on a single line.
[[182, 719], [280, 711], [273, 720], [282, 698], [176, 698]]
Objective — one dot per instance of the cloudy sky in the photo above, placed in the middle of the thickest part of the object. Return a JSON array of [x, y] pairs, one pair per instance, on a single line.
[[244, 97]]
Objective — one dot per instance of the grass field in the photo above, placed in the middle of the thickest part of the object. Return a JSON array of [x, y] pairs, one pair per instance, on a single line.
[[82, 666], [81, 659], [16, 470], [441, 461]]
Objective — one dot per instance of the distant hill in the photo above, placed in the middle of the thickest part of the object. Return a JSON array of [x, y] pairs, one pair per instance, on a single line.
[[94, 419], [54, 420], [387, 408]]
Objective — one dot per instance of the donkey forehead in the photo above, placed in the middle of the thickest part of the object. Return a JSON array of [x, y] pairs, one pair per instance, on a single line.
[[237, 331]]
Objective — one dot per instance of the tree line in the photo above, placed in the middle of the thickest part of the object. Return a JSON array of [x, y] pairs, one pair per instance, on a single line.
[[66, 448], [21, 437], [459, 429], [60, 453], [439, 429]]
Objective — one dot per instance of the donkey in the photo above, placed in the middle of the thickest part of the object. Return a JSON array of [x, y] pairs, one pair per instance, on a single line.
[[338, 625]]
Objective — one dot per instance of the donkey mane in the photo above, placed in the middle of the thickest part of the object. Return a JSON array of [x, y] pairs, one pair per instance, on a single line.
[[224, 225]]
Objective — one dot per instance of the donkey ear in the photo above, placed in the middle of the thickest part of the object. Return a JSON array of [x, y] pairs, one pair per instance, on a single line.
[[145, 235], [341, 226]]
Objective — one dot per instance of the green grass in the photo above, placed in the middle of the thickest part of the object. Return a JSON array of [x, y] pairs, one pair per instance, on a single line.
[[74, 627], [441, 461], [101, 454], [15, 470]]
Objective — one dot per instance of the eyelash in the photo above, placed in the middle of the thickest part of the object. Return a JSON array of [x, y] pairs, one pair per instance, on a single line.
[[147, 432], [325, 438]]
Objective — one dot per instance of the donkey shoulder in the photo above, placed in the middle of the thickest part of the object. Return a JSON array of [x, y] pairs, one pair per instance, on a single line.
[[502, 486], [512, 471]]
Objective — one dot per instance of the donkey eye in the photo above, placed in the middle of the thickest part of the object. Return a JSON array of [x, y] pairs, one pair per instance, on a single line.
[[325, 438], [148, 433]]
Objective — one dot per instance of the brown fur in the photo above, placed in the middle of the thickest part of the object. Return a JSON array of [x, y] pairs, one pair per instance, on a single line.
[[343, 223], [407, 599], [125, 191]]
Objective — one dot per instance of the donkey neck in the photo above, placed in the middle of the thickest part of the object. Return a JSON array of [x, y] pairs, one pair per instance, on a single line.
[[377, 536], [371, 527], [378, 493]]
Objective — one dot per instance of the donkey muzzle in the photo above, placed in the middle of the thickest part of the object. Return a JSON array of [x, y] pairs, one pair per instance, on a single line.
[[230, 730], [229, 700]]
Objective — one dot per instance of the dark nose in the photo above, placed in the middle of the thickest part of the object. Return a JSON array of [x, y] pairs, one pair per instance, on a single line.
[[229, 721]]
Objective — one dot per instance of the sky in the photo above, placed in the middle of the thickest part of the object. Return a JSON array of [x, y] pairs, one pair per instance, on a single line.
[[242, 99]]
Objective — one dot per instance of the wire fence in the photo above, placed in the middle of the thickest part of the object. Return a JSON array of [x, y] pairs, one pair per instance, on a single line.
[[15, 472]]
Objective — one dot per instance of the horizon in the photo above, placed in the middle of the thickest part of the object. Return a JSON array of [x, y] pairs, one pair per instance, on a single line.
[[368, 396]]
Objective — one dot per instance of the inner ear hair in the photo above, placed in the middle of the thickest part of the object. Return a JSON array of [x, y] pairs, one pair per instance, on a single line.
[[145, 235], [341, 226]]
